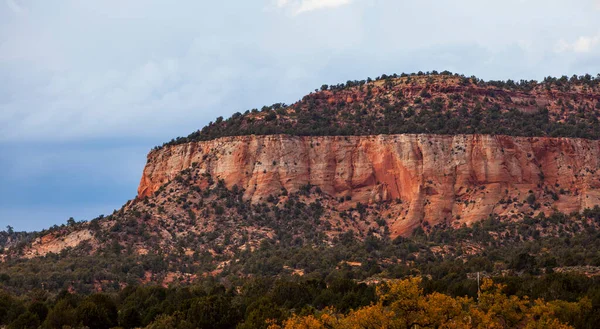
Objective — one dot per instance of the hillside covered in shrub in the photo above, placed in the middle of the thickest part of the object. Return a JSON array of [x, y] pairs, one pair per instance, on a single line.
[[432, 103]]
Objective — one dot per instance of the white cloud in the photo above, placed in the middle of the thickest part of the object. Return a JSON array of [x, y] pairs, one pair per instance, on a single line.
[[14, 6], [302, 6], [583, 44], [310, 5], [155, 93], [562, 46], [60, 83], [281, 3]]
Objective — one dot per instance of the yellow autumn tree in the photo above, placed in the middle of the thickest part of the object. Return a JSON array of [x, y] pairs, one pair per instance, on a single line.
[[403, 305], [497, 310]]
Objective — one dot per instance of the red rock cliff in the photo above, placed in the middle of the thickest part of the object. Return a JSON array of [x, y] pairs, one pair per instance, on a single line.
[[458, 179]]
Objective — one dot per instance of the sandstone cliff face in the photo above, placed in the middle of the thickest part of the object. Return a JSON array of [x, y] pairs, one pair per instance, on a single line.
[[430, 178]]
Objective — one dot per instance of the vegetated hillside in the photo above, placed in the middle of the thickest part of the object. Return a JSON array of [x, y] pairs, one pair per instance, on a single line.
[[271, 227], [249, 263], [10, 238], [427, 103], [195, 227]]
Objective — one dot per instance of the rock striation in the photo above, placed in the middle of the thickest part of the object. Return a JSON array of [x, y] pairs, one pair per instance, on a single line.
[[427, 179]]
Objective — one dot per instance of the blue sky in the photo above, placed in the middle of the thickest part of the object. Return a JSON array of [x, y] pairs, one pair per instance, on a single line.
[[88, 87]]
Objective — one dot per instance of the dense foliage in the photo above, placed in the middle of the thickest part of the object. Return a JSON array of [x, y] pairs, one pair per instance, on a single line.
[[403, 305], [204, 305], [213, 231], [427, 103], [337, 302], [59, 290]]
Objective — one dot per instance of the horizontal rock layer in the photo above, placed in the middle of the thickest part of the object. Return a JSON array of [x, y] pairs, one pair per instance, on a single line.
[[456, 179]]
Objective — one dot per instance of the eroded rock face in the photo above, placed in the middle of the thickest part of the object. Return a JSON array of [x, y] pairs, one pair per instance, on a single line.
[[427, 178], [55, 243]]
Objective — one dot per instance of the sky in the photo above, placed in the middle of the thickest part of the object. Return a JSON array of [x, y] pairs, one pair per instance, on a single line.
[[87, 88]]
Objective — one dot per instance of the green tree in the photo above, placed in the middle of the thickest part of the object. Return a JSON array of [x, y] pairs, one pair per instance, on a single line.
[[40, 309], [71, 221], [213, 312], [10, 308], [129, 317], [61, 315], [26, 320], [98, 311], [259, 313]]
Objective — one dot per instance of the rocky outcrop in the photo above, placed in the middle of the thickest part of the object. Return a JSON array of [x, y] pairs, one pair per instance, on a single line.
[[430, 178], [55, 243]]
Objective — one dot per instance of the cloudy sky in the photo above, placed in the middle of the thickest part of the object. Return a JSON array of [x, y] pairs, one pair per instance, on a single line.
[[88, 87]]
